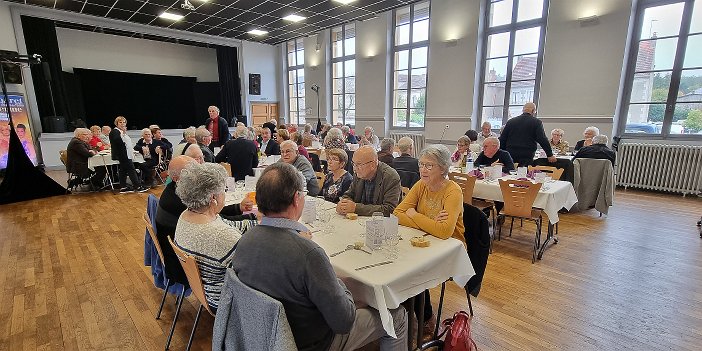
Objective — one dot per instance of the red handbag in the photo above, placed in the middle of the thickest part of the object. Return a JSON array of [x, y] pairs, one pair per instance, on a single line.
[[458, 334]]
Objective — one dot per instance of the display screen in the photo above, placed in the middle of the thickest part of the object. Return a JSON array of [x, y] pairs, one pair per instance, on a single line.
[[20, 117]]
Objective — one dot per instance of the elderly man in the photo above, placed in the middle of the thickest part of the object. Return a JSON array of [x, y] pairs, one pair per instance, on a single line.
[[492, 155], [387, 146], [348, 137], [196, 153], [121, 148], [375, 186], [522, 133], [218, 128], [406, 161], [289, 154], [588, 135], [268, 146], [105, 135], [188, 139], [77, 154], [151, 149], [297, 272], [158, 135], [485, 132], [271, 125], [204, 139], [598, 150], [369, 138], [240, 153]]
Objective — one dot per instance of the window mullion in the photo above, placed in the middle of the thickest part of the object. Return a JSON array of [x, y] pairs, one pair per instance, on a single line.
[[677, 69], [508, 78]]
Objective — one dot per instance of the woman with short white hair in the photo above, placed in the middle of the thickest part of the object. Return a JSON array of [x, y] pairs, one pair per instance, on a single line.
[[335, 140], [588, 134], [201, 231], [559, 146]]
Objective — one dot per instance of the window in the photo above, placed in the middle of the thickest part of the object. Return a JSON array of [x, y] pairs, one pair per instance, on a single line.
[[296, 81], [512, 55], [663, 91], [410, 51], [343, 43]]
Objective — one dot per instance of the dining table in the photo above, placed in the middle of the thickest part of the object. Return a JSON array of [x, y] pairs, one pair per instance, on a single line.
[[104, 159]]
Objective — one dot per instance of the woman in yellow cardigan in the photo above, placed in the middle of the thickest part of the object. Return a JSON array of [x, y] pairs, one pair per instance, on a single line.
[[435, 206]]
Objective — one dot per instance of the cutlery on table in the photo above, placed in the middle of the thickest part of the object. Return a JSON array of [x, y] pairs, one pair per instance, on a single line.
[[374, 265]]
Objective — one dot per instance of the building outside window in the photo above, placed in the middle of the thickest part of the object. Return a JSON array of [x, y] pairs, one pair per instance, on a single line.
[[296, 80], [343, 68]]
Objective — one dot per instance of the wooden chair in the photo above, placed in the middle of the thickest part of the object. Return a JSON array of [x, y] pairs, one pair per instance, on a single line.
[[554, 172], [154, 238], [320, 179], [467, 184], [228, 167], [74, 180], [192, 271], [518, 197], [405, 191]]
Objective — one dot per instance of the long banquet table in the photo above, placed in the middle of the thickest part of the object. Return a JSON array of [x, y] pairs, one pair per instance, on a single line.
[[385, 287]]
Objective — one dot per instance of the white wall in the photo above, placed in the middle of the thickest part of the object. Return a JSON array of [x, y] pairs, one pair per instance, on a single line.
[[264, 60], [315, 73], [81, 49], [7, 33], [580, 80]]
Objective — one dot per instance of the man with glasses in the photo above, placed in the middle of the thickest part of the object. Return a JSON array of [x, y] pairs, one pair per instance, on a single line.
[[375, 186], [289, 154]]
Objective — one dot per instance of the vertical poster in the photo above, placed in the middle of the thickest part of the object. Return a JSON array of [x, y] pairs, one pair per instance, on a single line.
[[20, 117]]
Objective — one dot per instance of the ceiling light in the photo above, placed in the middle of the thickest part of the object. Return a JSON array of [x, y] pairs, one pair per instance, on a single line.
[[294, 18], [171, 16], [257, 32], [345, 2]]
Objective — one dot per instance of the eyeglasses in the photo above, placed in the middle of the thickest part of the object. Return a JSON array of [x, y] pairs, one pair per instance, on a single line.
[[286, 151], [359, 165], [427, 166]]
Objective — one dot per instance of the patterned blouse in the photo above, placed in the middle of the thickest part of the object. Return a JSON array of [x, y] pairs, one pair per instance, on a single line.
[[333, 190], [561, 148], [335, 143]]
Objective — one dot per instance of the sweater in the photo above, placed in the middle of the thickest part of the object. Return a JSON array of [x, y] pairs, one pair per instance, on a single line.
[[428, 204], [521, 134], [386, 193], [501, 155]]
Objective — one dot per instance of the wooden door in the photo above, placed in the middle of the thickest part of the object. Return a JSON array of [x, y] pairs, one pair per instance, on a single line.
[[262, 112]]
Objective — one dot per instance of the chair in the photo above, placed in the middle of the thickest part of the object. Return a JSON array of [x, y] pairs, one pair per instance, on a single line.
[[320, 179], [405, 191], [518, 197], [594, 184], [227, 167], [467, 184], [407, 178], [555, 173], [195, 280], [315, 161], [74, 180]]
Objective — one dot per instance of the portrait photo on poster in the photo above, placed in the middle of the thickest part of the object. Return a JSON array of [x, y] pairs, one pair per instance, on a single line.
[[20, 117]]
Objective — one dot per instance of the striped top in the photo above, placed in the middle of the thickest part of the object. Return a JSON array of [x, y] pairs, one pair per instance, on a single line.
[[212, 245]]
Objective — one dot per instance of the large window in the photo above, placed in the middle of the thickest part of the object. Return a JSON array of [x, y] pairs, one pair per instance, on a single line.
[[411, 56], [512, 55], [296, 80], [663, 93], [343, 45]]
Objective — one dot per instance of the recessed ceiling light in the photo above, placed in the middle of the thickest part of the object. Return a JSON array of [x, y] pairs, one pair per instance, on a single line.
[[345, 2], [171, 16], [257, 32], [294, 18]]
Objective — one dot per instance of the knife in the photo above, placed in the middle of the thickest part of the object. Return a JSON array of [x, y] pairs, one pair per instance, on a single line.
[[374, 265]]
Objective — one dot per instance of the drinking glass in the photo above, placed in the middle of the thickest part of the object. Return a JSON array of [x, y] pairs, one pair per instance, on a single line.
[[325, 217], [391, 242]]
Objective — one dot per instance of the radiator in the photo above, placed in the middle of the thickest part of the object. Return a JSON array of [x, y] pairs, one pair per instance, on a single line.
[[416, 137], [663, 167]]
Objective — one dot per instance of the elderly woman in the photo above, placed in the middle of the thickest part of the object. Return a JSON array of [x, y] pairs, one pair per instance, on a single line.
[[308, 133], [559, 146], [201, 231], [335, 140], [473, 136], [158, 135], [151, 149], [282, 135], [289, 154], [387, 146], [323, 133], [338, 180], [433, 205], [369, 138], [96, 142], [188, 139], [588, 134], [459, 157], [297, 138], [77, 154], [121, 148]]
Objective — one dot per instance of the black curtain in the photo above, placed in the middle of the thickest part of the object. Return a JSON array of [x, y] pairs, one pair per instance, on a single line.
[[40, 38], [229, 84]]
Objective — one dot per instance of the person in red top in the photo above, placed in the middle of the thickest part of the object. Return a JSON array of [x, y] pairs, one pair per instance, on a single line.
[[218, 127], [95, 142]]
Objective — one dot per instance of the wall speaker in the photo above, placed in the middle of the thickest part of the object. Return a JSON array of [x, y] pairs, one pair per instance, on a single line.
[[254, 84], [11, 71], [54, 124]]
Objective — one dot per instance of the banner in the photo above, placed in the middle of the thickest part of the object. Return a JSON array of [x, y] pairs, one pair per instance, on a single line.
[[20, 117]]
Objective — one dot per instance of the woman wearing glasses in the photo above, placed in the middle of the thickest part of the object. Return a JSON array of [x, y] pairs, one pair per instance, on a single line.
[[433, 205], [338, 180]]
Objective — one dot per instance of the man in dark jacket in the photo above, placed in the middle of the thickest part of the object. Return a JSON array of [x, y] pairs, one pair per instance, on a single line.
[[375, 186], [387, 146], [218, 127], [522, 133], [268, 145], [492, 155], [240, 153], [406, 165], [77, 154], [598, 150]]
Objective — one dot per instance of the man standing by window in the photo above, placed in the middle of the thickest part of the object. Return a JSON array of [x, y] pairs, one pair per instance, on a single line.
[[521, 134]]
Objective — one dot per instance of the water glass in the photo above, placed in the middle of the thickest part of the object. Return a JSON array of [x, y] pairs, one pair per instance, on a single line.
[[325, 217]]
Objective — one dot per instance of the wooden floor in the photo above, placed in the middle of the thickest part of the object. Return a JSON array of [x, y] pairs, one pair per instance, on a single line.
[[72, 277]]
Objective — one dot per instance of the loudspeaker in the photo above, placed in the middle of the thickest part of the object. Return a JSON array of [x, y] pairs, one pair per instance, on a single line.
[[254, 84], [11, 71], [47, 71], [54, 124]]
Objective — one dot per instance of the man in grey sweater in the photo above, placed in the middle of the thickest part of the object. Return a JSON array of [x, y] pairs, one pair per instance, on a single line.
[[289, 154], [278, 258]]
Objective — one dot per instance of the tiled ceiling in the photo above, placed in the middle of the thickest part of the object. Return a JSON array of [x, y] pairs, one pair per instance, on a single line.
[[226, 18]]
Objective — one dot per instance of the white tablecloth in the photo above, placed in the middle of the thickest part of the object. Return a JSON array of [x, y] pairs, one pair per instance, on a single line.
[[385, 287], [104, 158], [559, 194]]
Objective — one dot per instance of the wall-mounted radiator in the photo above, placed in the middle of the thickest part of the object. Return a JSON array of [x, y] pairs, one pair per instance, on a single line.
[[416, 137], [663, 167]]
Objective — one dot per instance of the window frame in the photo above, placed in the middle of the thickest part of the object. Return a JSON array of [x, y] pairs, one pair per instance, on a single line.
[[343, 59], [512, 28], [676, 71], [299, 45], [410, 46]]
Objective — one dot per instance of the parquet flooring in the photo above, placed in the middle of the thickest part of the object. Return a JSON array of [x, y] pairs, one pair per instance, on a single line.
[[72, 278]]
